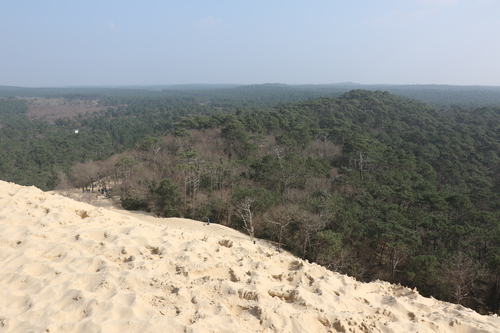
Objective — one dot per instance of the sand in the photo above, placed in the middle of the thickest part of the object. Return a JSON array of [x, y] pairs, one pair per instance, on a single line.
[[67, 266]]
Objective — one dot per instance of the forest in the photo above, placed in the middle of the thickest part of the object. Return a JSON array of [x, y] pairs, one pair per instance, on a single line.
[[374, 184]]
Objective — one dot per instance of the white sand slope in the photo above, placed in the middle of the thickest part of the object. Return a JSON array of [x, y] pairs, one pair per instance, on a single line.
[[66, 266]]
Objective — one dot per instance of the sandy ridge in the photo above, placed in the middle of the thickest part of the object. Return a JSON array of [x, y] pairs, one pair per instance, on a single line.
[[67, 266]]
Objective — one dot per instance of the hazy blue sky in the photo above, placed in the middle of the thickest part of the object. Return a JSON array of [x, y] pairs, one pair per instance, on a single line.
[[122, 42]]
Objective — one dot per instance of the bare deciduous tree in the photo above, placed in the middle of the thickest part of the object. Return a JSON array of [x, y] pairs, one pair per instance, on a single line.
[[245, 210], [86, 174], [362, 164], [462, 273], [63, 183], [280, 218]]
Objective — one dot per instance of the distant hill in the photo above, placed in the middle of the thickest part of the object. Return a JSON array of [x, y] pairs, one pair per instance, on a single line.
[[439, 96]]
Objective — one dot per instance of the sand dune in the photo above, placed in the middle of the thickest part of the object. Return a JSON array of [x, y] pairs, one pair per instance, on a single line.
[[66, 266]]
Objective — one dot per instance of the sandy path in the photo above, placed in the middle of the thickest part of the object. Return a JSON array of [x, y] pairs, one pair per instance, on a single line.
[[212, 230], [98, 200]]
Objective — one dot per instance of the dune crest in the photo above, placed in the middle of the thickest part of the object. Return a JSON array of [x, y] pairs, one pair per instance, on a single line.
[[67, 266]]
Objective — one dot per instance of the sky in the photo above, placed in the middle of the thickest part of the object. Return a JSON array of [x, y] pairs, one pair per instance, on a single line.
[[59, 43]]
